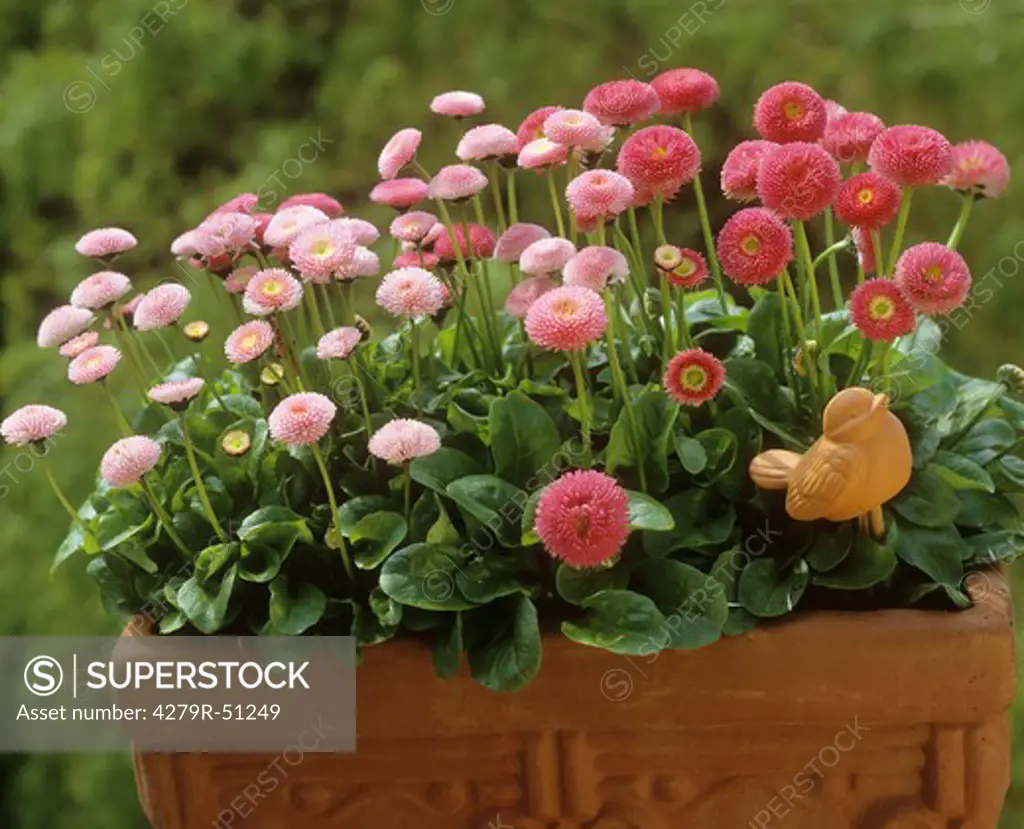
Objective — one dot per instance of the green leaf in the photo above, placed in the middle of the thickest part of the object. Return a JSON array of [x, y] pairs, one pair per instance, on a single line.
[[493, 502], [766, 330], [831, 547], [766, 590], [384, 530], [355, 510], [205, 604], [1000, 546], [443, 531], [973, 399], [986, 440], [756, 383], [937, 553], [483, 579], [292, 613], [721, 450], [691, 453], [388, 612], [619, 621], [655, 416], [423, 576], [509, 658], [260, 563], [868, 563], [979, 510], [928, 500], [702, 519], [529, 532], [961, 472], [524, 438], [645, 513], [576, 585], [445, 465], [447, 650], [212, 560], [1010, 470], [693, 603], [276, 527]]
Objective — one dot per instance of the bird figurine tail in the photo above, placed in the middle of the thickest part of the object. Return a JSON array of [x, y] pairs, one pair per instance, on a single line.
[[772, 469]]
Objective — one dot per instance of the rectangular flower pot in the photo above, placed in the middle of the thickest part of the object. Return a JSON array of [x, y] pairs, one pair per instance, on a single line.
[[889, 720]]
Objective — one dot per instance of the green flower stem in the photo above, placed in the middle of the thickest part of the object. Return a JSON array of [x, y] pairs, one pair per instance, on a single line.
[[876, 246], [833, 267], [122, 421], [487, 280], [901, 228], [555, 205], [407, 490], [287, 335], [204, 497], [164, 519], [354, 368], [705, 225], [199, 362], [499, 208], [314, 311], [347, 317], [577, 358], [621, 389], [487, 321], [570, 174], [138, 375], [666, 321], [829, 253], [416, 381], [810, 362], [961, 222], [513, 204], [684, 335], [446, 217], [808, 266], [862, 362], [167, 348], [64, 502], [787, 332], [137, 339], [326, 297], [322, 465], [619, 307]]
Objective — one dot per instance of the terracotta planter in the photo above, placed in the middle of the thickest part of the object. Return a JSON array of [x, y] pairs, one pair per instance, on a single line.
[[889, 720]]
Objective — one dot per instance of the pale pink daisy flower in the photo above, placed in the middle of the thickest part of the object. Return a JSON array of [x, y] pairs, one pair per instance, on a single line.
[[185, 244], [546, 256], [456, 182], [525, 293], [411, 292], [517, 239], [979, 168], [319, 251], [435, 233], [176, 393], [161, 306], [32, 423], [76, 345], [225, 234], [399, 151], [105, 242], [100, 290], [596, 267], [242, 203], [271, 291], [457, 104], [93, 364], [339, 343], [403, 440], [413, 227], [598, 195], [365, 263], [238, 279], [321, 201], [357, 231], [301, 419], [486, 142], [400, 193], [249, 342], [128, 460], [541, 154], [289, 222], [569, 318], [578, 129], [61, 324]]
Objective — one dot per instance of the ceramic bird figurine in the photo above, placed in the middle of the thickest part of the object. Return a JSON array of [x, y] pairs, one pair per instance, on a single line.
[[862, 460]]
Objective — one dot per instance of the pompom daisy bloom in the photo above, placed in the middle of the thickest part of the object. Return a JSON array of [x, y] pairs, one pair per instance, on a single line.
[[456, 182], [161, 306], [105, 243], [541, 154], [979, 168], [525, 293], [93, 364], [32, 423], [577, 129], [658, 160], [271, 291], [599, 195], [76, 345], [301, 419], [754, 246], [739, 172], [881, 311], [356, 231], [596, 267], [238, 278], [798, 180], [249, 341], [622, 102], [417, 259], [481, 243], [289, 222], [242, 203], [833, 110], [101, 290], [61, 324], [790, 111], [517, 239], [196, 331], [532, 126], [912, 156], [868, 200], [185, 245], [569, 318], [685, 90], [934, 278], [128, 460], [400, 193], [412, 227], [457, 104], [176, 393], [339, 343], [691, 270], [693, 377], [583, 518], [399, 151], [546, 256], [225, 234], [321, 201], [320, 251], [848, 137], [411, 293], [403, 440], [487, 143]]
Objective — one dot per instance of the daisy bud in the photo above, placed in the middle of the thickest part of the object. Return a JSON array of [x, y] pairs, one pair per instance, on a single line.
[[799, 363], [236, 443], [667, 257], [196, 331], [457, 104], [1012, 377], [398, 152], [272, 374]]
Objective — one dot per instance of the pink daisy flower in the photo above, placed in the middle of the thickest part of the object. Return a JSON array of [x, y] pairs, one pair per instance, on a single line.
[[596, 267], [289, 222], [365, 263], [356, 231], [249, 342], [790, 111], [798, 180], [599, 195], [403, 440], [911, 156], [754, 246], [620, 103], [433, 235], [486, 143], [667, 257], [225, 234], [105, 243], [61, 324], [693, 377], [400, 193], [833, 110], [321, 201], [411, 293], [849, 137], [301, 419], [242, 203], [176, 393], [101, 290], [457, 104], [238, 278], [93, 364], [161, 306], [319, 251], [517, 239], [185, 245], [546, 256], [128, 309], [541, 154], [865, 249], [339, 343], [978, 168], [691, 270], [868, 200], [263, 221], [881, 311], [583, 518], [577, 129], [739, 172], [128, 460], [271, 291], [412, 227], [417, 259], [398, 152], [658, 160], [525, 293], [685, 90], [481, 243], [934, 278], [76, 345], [32, 423], [532, 126], [456, 182], [566, 319]]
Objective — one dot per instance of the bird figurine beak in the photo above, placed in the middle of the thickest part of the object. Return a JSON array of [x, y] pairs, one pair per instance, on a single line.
[[881, 401]]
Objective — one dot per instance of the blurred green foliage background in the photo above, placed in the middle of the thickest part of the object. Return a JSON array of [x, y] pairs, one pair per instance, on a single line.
[[147, 114]]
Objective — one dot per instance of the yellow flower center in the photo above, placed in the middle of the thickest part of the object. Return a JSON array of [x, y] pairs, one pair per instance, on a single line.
[[564, 308], [933, 273], [272, 287], [686, 267], [866, 196], [793, 110], [322, 247], [573, 119], [881, 308], [250, 340], [94, 362], [750, 244], [693, 378], [659, 153]]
